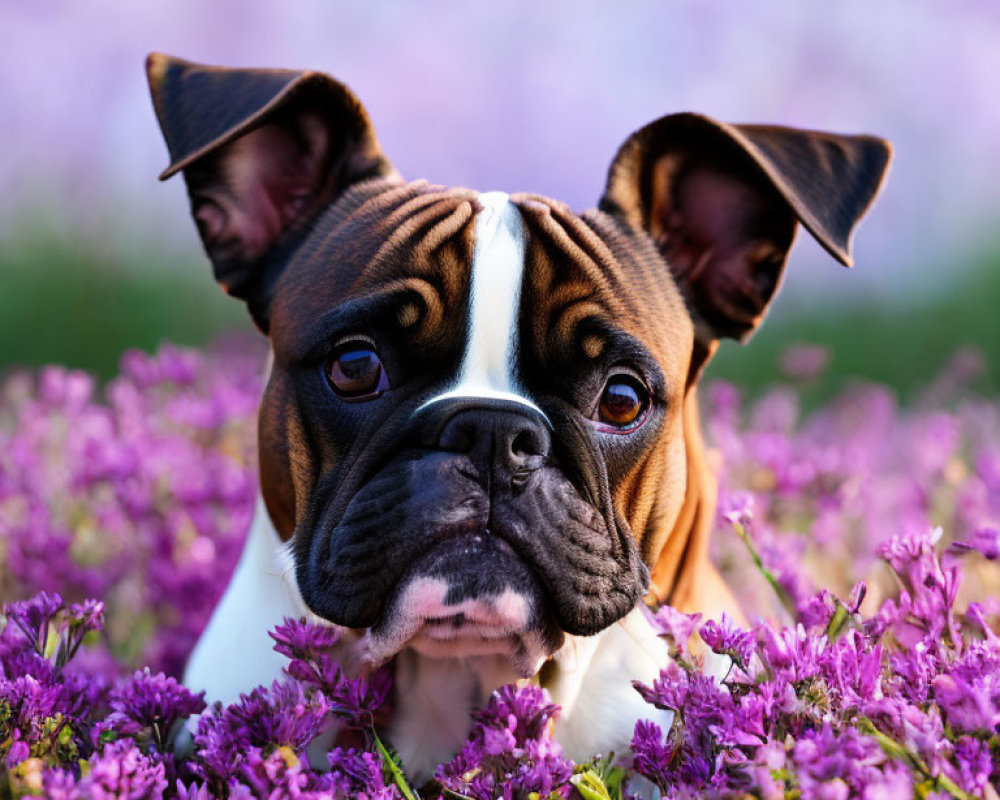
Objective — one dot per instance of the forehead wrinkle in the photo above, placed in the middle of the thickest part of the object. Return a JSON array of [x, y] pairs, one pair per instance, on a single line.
[[373, 240], [454, 229], [660, 315], [361, 208], [344, 238], [567, 284], [601, 264], [584, 251], [436, 216]]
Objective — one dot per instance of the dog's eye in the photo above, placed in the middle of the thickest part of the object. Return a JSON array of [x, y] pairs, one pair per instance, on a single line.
[[623, 403], [355, 371]]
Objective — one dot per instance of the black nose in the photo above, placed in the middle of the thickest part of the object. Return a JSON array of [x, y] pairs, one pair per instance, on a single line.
[[507, 437]]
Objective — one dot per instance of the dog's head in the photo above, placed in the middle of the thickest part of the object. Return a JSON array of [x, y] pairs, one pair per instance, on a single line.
[[473, 432]]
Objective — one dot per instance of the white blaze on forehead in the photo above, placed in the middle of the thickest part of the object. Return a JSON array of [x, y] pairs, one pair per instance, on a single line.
[[488, 367]]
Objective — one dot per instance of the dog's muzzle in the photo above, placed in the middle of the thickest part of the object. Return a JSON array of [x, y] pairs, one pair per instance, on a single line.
[[472, 594], [471, 539]]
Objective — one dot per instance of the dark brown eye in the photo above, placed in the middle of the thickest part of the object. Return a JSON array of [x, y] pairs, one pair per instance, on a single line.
[[355, 372], [623, 403]]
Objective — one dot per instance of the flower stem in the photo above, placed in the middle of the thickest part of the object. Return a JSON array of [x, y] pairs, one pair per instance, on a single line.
[[783, 596], [389, 763], [899, 751]]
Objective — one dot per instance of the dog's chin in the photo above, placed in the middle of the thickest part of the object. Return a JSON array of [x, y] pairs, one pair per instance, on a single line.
[[469, 596]]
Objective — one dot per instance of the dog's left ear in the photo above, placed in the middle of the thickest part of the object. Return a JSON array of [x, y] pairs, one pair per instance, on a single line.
[[721, 202], [263, 152]]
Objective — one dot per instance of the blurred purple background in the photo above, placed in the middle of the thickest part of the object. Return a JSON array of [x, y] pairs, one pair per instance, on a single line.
[[525, 96]]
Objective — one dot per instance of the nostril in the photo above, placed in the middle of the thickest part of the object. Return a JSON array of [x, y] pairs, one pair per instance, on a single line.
[[526, 444]]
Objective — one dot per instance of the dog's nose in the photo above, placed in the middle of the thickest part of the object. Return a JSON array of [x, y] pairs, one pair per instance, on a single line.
[[509, 437]]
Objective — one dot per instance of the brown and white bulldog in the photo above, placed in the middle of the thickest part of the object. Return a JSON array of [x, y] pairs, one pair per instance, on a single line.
[[479, 441]]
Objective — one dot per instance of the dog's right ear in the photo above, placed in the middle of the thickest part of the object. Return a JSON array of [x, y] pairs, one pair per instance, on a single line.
[[263, 152]]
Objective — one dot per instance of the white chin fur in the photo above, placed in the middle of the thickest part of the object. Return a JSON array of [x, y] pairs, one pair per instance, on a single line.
[[421, 619]]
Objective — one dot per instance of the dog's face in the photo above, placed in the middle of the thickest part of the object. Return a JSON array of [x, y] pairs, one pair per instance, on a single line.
[[473, 430], [472, 418]]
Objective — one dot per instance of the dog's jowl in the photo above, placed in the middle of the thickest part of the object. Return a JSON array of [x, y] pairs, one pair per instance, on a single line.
[[479, 444]]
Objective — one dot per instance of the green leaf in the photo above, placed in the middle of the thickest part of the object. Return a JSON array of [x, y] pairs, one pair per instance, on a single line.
[[838, 622]]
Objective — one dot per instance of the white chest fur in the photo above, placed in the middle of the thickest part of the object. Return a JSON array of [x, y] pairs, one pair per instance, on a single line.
[[234, 653]]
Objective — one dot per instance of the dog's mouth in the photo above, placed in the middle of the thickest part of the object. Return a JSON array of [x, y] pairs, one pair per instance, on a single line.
[[468, 596]]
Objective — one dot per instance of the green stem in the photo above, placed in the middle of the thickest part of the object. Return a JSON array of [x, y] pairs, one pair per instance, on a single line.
[[390, 764], [899, 751], [779, 590]]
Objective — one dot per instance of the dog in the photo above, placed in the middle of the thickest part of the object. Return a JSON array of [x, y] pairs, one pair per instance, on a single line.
[[479, 443]]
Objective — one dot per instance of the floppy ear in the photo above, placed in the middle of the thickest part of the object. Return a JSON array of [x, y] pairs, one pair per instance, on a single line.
[[263, 152], [722, 201]]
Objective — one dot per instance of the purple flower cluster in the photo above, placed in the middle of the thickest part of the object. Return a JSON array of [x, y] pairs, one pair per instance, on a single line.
[[142, 499], [73, 735], [510, 753], [902, 703], [824, 487]]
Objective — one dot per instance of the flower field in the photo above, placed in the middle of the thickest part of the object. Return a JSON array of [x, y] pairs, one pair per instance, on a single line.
[[862, 537]]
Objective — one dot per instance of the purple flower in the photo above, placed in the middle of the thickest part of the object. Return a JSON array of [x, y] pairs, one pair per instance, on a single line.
[[86, 616], [283, 716], [193, 791], [653, 754], [510, 752], [117, 497], [804, 361], [738, 509], [302, 640], [974, 764], [282, 775], [815, 612], [841, 764], [121, 770], [931, 586], [725, 638], [358, 774], [677, 628], [526, 710], [151, 703], [18, 750], [985, 541], [33, 617], [969, 692], [357, 701]]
